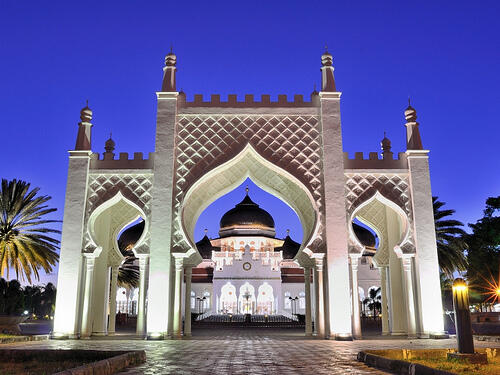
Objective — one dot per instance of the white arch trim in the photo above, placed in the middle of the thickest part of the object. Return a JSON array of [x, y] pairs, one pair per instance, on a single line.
[[271, 178], [116, 199], [403, 219]]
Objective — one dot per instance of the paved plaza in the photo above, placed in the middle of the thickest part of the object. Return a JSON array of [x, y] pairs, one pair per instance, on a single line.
[[225, 351]]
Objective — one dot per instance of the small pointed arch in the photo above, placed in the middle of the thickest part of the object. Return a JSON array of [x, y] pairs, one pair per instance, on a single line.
[[269, 177], [121, 212], [372, 213]]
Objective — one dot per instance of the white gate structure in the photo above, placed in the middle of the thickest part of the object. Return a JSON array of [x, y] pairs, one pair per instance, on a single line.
[[291, 149]]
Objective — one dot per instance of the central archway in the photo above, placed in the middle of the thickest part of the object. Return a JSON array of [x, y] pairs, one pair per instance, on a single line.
[[269, 177]]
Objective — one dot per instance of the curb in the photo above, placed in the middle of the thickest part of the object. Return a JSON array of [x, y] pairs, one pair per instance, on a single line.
[[487, 338], [10, 340], [397, 366], [108, 366]]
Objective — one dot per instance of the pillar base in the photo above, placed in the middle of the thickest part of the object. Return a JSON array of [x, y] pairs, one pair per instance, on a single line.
[[156, 336], [439, 335], [343, 337]]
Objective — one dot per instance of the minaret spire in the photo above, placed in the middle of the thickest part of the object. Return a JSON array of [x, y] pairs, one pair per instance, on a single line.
[[327, 78], [386, 147], [413, 140], [83, 139], [169, 72], [109, 148]]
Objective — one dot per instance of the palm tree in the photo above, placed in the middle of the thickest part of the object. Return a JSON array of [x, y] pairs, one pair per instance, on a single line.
[[450, 240], [128, 274], [26, 244]]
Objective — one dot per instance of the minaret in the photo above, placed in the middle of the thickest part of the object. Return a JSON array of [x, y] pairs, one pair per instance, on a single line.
[[83, 139], [109, 148], [169, 72], [386, 148], [327, 79], [413, 140]]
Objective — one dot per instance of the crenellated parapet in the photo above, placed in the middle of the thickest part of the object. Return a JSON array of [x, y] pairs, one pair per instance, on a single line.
[[108, 161], [249, 102], [374, 161]]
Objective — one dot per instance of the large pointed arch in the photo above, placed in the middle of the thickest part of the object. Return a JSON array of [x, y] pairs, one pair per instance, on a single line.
[[269, 177]]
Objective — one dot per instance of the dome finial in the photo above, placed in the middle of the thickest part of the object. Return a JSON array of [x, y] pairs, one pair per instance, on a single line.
[[206, 231], [386, 147], [288, 232], [247, 190], [109, 146]]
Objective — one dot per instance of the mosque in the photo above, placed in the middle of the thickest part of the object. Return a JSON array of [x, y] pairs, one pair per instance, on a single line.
[[292, 148], [247, 270]]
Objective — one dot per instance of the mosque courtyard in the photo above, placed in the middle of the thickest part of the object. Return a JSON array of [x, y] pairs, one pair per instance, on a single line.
[[248, 351]]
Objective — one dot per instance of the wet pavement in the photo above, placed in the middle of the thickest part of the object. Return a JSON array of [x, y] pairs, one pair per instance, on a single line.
[[257, 351]]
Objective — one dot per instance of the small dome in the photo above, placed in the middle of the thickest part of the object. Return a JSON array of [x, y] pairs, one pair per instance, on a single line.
[[86, 114], [246, 217], [109, 146], [386, 143], [410, 113]]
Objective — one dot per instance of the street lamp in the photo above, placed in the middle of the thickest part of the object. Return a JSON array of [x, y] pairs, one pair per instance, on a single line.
[[463, 325], [294, 304]]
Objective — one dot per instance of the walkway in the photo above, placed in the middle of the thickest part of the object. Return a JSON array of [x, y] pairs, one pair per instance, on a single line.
[[259, 351]]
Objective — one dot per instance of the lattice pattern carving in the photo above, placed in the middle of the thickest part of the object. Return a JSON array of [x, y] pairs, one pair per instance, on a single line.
[[292, 142], [136, 187]]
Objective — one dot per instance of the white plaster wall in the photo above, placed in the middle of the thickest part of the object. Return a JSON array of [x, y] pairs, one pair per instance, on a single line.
[[69, 283]]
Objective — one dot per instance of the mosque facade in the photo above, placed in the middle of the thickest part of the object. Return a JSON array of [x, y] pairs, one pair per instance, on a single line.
[[293, 150]]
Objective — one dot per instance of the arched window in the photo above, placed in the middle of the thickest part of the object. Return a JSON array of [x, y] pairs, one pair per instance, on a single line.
[[302, 300], [288, 303], [193, 300]]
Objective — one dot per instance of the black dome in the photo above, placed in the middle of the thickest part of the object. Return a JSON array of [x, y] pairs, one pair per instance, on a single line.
[[246, 214]]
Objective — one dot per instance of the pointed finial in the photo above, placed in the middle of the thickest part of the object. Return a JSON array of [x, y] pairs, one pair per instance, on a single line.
[[288, 232], [206, 231], [410, 113], [171, 48], [326, 48], [247, 189], [87, 103], [409, 105]]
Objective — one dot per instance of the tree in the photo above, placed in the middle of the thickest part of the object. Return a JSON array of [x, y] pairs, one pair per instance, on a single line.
[[450, 240], [128, 274], [484, 251], [374, 300], [26, 244]]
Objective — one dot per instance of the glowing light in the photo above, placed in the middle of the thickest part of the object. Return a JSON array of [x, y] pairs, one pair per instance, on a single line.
[[460, 288]]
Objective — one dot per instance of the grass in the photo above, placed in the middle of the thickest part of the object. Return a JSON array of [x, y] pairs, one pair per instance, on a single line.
[[6, 336], [36, 367], [436, 358]]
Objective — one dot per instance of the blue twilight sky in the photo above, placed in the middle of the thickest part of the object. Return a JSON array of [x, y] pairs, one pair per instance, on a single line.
[[444, 54]]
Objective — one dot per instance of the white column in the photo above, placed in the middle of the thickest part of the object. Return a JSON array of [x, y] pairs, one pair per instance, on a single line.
[[188, 270], [410, 304], [112, 300], [338, 320], [385, 310], [69, 276], [177, 317], [356, 318], [320, 298], [159, 290], [426, 261], [87, 297], [307, 291], [143, 290]]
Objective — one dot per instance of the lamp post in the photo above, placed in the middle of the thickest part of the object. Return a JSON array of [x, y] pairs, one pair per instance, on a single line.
[[294, 304], [463, 325]]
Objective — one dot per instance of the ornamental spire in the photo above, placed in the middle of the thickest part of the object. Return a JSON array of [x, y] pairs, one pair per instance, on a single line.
[[83, 139], [327, 78], [386, 147], [413, 140], [109, 148], [169, 72]]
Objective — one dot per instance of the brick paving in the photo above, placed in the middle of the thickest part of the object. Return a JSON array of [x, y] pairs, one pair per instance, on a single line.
[[248, 352]]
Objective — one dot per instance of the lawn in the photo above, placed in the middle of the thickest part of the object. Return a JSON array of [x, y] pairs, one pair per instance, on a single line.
[[436, 358]]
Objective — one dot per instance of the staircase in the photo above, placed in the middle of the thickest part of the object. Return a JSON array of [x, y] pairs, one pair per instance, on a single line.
[[248, 321]]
